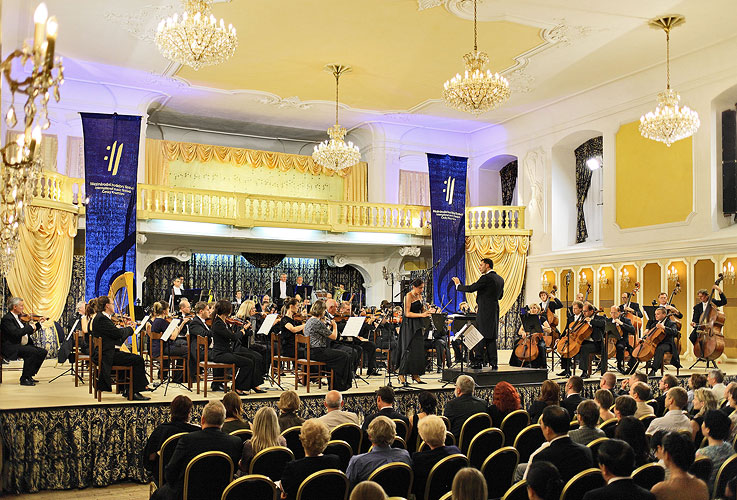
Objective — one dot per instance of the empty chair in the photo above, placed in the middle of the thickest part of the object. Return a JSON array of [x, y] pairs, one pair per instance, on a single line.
[[340, 449], [701, 468], [472, 426], [594, 447], [396, 478], [648, 475], [484, 444], [727, 471], [513, 424], [441, 476], [498, 470], [528, 440], [252, 486], [351, 434], [518, 491], [584, 481], [270, 462], [207, 475], [328, 484], [291, 436]]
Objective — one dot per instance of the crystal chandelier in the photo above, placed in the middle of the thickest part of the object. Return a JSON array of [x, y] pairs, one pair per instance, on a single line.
[[21, 164], [669, 122], [476, 92], [335, 154], [195, 38]]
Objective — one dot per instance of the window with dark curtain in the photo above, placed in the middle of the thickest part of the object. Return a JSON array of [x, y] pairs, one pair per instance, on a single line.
[[508, 176], [589, 149]]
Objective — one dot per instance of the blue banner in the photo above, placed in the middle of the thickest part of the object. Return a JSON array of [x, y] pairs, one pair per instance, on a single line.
[[448, 217], [111, 174]]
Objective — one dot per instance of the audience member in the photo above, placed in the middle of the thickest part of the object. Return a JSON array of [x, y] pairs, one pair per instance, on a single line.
[[549, 395], [678, 456], [640, 392], [703, 401], [381, 432], [289, 405], [667, 382], [574, 387], [314, 436], [265, 435], [543, 481], [695, 381], [632, 431], [505, 400], [233, 413], [469, 484], [463, 405], [630, 381], [181, 409], [336, 415], [432, 431], [729, 404], [570, 458], [210, 438], [587, 414], [608, 381], [428, 405], [716, 382], [616, 462], [732, 400], [716, 429], [674, 420], [605, 400], [368, 490], [656, 447], [385, 405]]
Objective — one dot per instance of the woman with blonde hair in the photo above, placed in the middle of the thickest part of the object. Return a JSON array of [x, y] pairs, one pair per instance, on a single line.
[[469, 484], [703, 401], [314, 437], [289, 405], [247, 313], [368, 490], [233, 413], [265, 435]]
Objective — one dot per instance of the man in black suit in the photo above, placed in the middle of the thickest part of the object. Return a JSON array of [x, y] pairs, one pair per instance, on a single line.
[[631, 307], [198, 328], [625, 329], [668, 344], [281, 290], [210, 438], [464, 405], [616, 462], [698, 309], [112, 336], [385, 404], [573, 389], [17, 341], [593, 344], [570, 458], [489, 288]]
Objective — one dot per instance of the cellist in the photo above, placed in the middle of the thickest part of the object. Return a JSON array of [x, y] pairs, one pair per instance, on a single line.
[[699, 308], [625, 329], [540, 361], [663, 301], [575, 315], [592, 345], [668, 344]]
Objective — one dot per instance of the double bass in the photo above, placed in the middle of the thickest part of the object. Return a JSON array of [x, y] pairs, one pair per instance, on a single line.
[[552, 320], [645, 350], [710, 341], [634, 318]]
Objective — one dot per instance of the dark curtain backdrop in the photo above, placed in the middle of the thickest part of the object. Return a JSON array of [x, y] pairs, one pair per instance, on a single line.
[[508, 175], [592, 147], [509, 323]]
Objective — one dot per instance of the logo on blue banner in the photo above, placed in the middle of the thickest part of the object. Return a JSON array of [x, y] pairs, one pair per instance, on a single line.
[[111, 174], [448, 217]]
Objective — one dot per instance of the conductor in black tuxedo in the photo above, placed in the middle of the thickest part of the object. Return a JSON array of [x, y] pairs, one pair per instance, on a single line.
[[210, 438], [616, 462], [17, 341], [489, 288]]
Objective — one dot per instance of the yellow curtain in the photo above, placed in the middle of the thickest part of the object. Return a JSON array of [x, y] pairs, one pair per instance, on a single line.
[[42, 272], [355, 183], [509, 254]]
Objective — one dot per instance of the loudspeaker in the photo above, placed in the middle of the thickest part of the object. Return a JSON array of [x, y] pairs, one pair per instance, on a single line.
[[729, 162]]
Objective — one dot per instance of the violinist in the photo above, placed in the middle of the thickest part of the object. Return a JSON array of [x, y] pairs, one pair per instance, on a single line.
[[540, 361], [17, 342], [289, 327], [320, 334], [699, 308], [198, 327], [367, 347], [257, 352], [265, 306], [668, 344], [592, 345], [177, 344], [630, 307], [411, 335], [386, 335], [353, 350], [625, 329]]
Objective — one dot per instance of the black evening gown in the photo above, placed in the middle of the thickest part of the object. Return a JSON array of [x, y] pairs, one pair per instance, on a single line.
[[412, 345]]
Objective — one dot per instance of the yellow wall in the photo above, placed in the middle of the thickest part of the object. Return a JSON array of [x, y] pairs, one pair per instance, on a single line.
[[642, 166], [730, 311], [606, 292]]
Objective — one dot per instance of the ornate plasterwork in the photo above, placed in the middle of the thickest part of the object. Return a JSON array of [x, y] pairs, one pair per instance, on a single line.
[[428, 4], [288, 102], [141, 24], [409, 251], [534, 165], [520, 81], [563, 34]]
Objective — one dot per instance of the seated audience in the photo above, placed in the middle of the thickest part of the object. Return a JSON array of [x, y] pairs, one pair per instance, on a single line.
[[574, 387], [381, 432], [505, 400], [385, 405], [608, 381], [716, 430], [336, 415], [640, 392], [674, 420], [630, 381], [549, 395], [314, 437], [233, 413], [587, 414], [428, 405], [181, 409], [469, 484], [604, 400], [624, 406], [715, 380], [289, 405], [569, 458], [678, 456], [727, 407], [432, 431], [695, 381], [732, 404], [368, 490], [616, 462], [210, 438], [667, 382], [656, 449], [543, 482], [703, 401], [463, 405], [632, 431], [265, 435]]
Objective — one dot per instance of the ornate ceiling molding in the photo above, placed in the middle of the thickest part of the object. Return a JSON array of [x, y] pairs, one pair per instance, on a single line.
[[428, 4], [141, 24], [293, 102]]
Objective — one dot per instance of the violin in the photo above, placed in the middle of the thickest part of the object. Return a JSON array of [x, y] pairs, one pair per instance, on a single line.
[[710, 341], [122, 320], [26, 317]]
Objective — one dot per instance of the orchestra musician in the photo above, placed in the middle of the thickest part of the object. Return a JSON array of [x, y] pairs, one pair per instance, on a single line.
[[353, 350], [198, 327], [177, 345], [247, 314], [579, 298], [238, 300], [668, 344], [699, 308], [175, 294], [368, 348], [281, 291], [320, 335], [633, 307], [540, 361], [289, 327], [411, 335], [18, 343], [548, 301], [592, 345], [663, 301], [625, 329], [302, 289], [575, 315], [265, 306]]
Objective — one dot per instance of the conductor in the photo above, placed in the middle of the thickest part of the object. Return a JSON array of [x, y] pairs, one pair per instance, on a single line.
[[490, 288]]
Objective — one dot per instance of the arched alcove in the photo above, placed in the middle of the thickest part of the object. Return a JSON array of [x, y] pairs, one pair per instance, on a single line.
[[490, 183]]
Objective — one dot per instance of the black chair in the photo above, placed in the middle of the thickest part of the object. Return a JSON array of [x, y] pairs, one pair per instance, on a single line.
[[165, 453], [244, 434], [340, 449], [440, 479], [351, 434], [484, 444], [513, 424], [396, 479], [584, 481], [652, 404], [270, 462], [253, 487], [498, 470], [291, 436], [594, 447], [727, 471], [572, 426], [528, 440], [701, 468], [402, 429], [329, 484], [648, 475], [450, 440], [207, 475], [608, 426], [472, 426], [518, 491], [399, 443], [646, 419]]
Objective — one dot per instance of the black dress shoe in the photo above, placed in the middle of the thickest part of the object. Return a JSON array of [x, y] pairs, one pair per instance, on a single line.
[[564, 374], [259, 391], [34, 380], [494, 367], [476, 366], [140, 397], [217, 387], [27, 381]]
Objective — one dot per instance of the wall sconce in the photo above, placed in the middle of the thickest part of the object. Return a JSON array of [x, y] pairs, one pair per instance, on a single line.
[[624, 276], [583, 281], [544, 281], [603, 280], [728, 271], [673, 274]]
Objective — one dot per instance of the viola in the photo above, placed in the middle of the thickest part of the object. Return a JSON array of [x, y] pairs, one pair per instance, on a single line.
[[710, 341]]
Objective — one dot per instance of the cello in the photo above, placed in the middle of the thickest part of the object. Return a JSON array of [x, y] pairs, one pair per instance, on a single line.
[[578, 331], [645, 350], [710, 341], [527, 348]]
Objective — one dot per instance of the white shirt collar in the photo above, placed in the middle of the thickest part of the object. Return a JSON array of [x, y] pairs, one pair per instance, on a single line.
[[17, 319], [618, 478], [559, 437], [177, 290], [106, 314]]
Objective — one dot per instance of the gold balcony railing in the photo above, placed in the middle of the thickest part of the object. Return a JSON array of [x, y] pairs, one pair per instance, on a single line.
[[53, 190], [495, 219]]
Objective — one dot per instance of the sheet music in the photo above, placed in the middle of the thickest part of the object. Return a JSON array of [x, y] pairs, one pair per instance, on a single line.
[[268, 323], [142, 325], [353, 326], [169, 331], [471, 336]]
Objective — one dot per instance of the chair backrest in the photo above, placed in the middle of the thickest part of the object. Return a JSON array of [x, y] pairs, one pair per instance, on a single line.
[[396, 478], [518, 491], [646, 419], [97, 351], [340, 449], [327, 483], [447, 496], [244, 434], [271, 461], [207, 475], [275, 344], [571, 427], [203, 342], [513, 424], [607, 425], [498, 470], [447, 422], [701, 468], [399, 443], [252, 486], [529, 440], [584, 481], [484, 444], [450, 439], [351, 434], [440, 479], [301, 340], [165, 453], [291, 436], [472, 426], [401, 428], [648, 475], [594, 447], [727, 471]]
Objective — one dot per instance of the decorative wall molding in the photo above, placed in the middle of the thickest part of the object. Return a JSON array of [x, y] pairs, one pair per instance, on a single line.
[[563, 34], [428, 4], [141, 24], [409, 251], [293, 102]]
